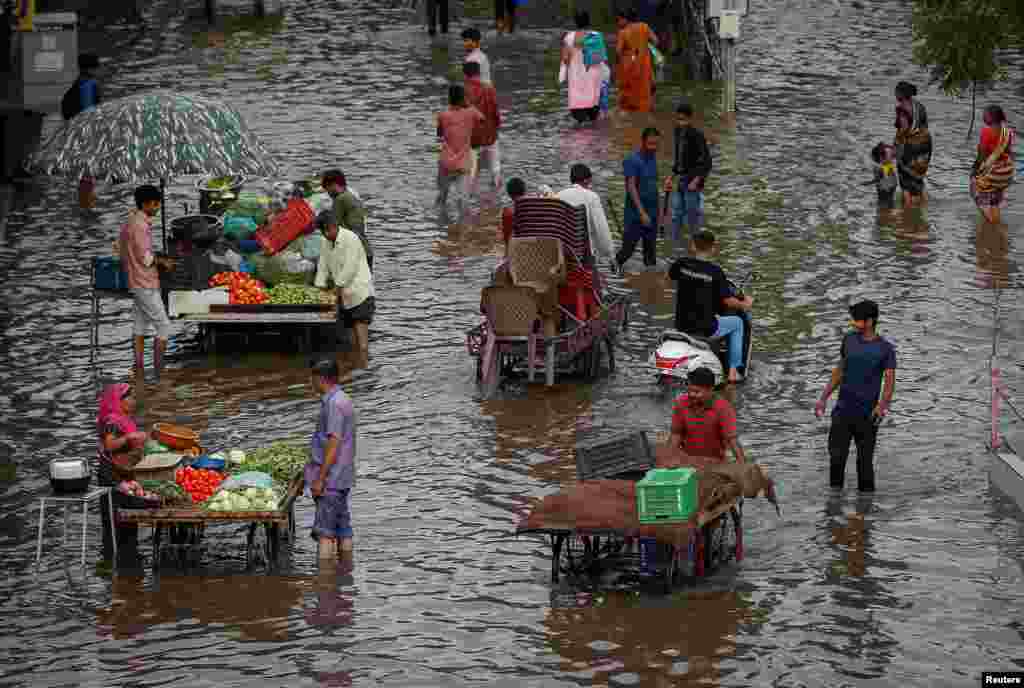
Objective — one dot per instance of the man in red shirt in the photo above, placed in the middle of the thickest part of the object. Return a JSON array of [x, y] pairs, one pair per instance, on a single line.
[[516, 189], [484, 98], [703, 426]]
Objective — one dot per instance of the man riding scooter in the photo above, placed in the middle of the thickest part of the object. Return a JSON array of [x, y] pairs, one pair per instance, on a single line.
[[704, 297]]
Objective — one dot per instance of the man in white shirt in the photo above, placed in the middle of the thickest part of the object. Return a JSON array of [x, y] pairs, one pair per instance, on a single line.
[[471, 42], [343, 260], [580, 194]]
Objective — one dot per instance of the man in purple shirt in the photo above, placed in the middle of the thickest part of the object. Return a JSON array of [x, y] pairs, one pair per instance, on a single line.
[[331, 471]]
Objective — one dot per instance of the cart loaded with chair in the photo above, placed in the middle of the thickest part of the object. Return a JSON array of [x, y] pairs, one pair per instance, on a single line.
[[547, 306], [628, 516]]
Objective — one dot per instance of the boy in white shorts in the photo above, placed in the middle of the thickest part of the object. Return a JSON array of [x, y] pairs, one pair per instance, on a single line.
[[140, 263]]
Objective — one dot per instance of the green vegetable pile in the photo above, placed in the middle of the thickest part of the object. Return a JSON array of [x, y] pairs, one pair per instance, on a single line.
[[281, 460], [293, 294], [171, 493]]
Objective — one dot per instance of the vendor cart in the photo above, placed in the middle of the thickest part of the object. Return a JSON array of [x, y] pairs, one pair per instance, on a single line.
[[576, 552], [185, 527], [712, 537], [552, 284]]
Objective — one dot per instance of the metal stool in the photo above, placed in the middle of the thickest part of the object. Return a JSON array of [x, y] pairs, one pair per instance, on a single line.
[[84, 499]]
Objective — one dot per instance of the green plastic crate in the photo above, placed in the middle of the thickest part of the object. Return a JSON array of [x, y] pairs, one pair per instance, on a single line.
[[667, 495]]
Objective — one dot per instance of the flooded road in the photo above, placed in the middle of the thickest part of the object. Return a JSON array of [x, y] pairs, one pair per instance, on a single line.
[[921, 585]]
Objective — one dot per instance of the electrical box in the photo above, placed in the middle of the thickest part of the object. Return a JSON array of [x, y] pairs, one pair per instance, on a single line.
[[729, 25], [46, 60], [716, 7]]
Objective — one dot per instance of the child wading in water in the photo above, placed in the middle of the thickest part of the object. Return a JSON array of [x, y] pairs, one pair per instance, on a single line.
[[886, 179]]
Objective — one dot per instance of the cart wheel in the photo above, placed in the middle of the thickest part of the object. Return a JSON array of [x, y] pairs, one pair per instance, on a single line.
[[671, 569], [595, 360], [157, 536], [250, 547], [698, 558], [737, 521]]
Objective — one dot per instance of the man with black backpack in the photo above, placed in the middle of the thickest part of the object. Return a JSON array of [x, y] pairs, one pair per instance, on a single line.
[[692, 166]]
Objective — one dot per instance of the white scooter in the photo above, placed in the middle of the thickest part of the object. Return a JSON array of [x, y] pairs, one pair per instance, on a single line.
[[678, 354]]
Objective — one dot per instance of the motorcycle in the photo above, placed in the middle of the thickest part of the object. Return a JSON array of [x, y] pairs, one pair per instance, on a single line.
[[677, 354]]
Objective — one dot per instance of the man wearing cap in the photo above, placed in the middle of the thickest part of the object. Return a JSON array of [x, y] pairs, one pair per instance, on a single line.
[[703, 425], [865, 360]]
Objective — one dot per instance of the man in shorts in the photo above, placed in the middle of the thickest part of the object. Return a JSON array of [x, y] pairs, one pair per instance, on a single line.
[[343, 261], [331, 472], [140, 264]]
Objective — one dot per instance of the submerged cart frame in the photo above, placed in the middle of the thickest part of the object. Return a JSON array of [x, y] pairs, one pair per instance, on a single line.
[[576, 552]]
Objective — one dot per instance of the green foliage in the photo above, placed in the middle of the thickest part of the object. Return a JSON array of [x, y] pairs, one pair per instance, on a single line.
[[959, 40]]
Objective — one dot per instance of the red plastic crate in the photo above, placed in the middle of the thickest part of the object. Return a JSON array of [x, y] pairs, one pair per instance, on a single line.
[[286, 227]]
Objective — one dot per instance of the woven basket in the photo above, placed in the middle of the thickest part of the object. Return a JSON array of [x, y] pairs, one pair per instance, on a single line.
[[537, 262], [158, 466], [512, 310]]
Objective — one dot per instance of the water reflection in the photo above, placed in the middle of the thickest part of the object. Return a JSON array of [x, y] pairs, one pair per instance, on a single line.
[[545, 421], [991, 254], [249, 607], [333, 609], [629, 639]]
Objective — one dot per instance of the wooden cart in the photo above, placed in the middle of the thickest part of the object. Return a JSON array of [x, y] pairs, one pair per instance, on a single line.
[[576, 552], [185, 527], [246, 322]]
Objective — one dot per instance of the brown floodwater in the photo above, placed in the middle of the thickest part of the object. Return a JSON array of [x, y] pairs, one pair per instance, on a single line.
[[920, 585]]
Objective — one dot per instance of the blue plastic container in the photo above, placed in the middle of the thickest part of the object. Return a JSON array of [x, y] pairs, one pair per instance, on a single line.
[[648, 556], [205, 461], [108, 274], [248, 246]]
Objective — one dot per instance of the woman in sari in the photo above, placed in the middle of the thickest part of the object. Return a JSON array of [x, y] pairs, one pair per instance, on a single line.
[[914, 143], [584, 82], [994, 167], [635, 71], [120, 442]]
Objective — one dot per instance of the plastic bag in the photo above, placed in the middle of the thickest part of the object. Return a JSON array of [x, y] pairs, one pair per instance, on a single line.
[[321, 202], [288, 267], [239, 227], [228, 258], [247, 479], [312, 245]]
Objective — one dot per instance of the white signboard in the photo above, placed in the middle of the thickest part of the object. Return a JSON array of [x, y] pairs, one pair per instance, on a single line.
[[48, 62]]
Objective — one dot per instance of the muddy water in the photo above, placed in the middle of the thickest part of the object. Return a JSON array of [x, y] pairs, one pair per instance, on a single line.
[[921, 585]]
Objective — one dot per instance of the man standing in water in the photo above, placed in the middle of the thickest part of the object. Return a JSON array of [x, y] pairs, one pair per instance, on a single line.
[[641, 214], [865, 359], [692, 165], [140, 263], [331, 471], [455, 127], [484, 98], [343, 260]]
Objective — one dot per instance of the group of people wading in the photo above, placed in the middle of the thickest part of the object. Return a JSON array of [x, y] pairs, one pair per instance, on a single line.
[[905, 162]]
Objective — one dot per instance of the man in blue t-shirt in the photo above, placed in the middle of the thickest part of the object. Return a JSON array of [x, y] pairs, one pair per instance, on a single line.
[[641, 214], [865, 359]]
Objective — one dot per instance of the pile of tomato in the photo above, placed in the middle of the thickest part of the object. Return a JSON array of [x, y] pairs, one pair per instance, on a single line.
[[243, 288], [200, 483]]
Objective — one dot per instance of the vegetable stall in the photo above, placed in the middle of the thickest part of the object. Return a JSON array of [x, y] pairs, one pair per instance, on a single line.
[[244, 264], [264, 258], [187, 491]]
